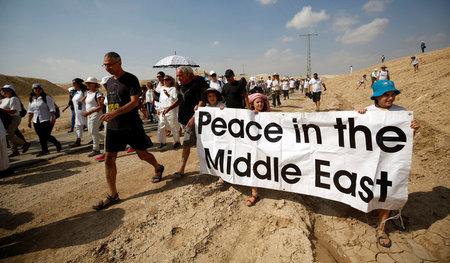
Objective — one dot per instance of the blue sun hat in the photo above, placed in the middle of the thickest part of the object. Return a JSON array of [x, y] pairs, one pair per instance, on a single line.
[[382, 86]]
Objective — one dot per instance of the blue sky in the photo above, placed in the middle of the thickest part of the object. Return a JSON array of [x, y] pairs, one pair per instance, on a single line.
[[60, 40]]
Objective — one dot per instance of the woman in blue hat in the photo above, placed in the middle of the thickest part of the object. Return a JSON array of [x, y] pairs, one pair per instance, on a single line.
[[384, 93]]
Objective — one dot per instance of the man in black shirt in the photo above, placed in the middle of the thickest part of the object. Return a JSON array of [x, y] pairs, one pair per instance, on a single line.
[[189, 97], [235, 93], [124, 125]]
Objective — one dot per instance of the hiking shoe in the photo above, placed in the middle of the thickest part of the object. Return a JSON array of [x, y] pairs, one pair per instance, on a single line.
[[58, 146], [176, 145], [15, 153], [161, 145], [94, 153], [25, 147]]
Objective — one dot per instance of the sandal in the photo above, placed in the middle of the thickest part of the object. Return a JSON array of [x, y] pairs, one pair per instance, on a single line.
[[220, 183], [112, 200], [250, 202], [383, 236], [158, 178], [178, 174]]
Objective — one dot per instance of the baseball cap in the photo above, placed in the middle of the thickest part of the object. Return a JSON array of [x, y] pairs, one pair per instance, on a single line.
[[71, 89], [212, 72], [105, 79], [229, 73], [9, 87], [36, 85]]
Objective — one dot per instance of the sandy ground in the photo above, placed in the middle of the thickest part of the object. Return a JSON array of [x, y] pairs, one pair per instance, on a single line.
[[46, 214]]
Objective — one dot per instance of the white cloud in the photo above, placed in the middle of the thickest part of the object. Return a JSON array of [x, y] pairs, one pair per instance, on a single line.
[[343, 23], [215, 43], [271, 53], [287, 39], [375, 6], [307, 18], [365, 33], [266, 2]]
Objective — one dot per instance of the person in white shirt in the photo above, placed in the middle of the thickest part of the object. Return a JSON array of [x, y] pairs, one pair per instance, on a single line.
[[80, 107], [292, 85], [373, 76], [276, 90], [149, 95], [415, 62], [214, 82], [285, 88], [315, 84], [168, 119], [269, 85], [94, 108], [384, 93], [11, 104], [383, 74], [41, 111]]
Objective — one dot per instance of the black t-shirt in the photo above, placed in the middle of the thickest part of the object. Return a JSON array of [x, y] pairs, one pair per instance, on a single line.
[[118, 93], [234, 94], [188, 97]]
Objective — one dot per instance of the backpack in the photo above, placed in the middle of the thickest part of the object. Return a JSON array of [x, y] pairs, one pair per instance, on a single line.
[[23, 111], [104, 106]]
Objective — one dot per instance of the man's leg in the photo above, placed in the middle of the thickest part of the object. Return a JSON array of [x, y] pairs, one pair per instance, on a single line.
[[111, 173], [148, 157], [318, 105], [184, 157]]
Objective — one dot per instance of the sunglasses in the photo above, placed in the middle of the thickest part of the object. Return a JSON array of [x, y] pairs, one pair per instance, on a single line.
[[167, 79]]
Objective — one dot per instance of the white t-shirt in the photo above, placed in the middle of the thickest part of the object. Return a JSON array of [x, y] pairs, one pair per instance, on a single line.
[[393, 108], [218, 85], [269, 83], [276, 85], [291, 84], [12, 103], [91, 100], [316, 84], [164, 100], [415, 61], [39, 109], [285, 85], [374, 74], [149, 96], [383, 74]]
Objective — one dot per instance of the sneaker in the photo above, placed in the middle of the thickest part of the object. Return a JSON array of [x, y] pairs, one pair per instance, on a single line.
[[130, 150], [161, 145], [94, 153], [176, 145], [42, 153], [25, 147], [15, 153], [100, 158]]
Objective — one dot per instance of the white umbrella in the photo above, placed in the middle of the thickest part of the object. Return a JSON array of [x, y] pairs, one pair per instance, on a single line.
[[175, 61]]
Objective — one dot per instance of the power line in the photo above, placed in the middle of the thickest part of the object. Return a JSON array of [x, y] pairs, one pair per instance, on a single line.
[[308, 61]]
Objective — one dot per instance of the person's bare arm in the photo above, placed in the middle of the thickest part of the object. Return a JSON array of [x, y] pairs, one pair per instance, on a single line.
[[134, 102]]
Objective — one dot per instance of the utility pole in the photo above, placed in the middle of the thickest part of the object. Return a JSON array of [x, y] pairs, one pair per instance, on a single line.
[[308, 61]]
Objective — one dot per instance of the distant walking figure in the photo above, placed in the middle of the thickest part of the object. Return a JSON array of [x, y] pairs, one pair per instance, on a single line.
[[415, 63], [422, 46], [363, 81], [382, 58]]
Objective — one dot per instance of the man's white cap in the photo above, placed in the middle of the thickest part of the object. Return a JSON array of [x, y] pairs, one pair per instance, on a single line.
[[71, 89], [375, 69], [212, 72], [9, 87], [104, 80]]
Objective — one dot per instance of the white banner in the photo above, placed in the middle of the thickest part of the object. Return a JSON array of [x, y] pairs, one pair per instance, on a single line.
[[362, 160]]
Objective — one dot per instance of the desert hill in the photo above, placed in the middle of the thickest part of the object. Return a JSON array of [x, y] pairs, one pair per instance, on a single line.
[[23, 85]]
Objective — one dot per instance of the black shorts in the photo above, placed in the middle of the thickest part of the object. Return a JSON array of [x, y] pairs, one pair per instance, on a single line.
[[117, 141], [316, 96]]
